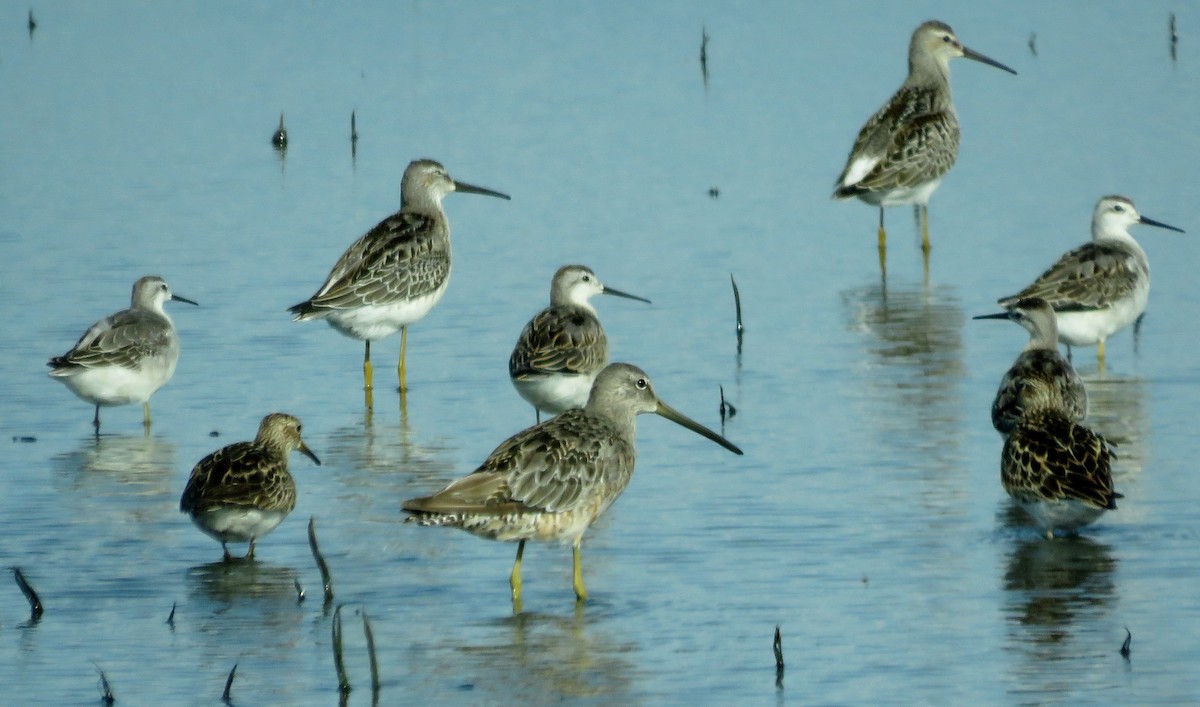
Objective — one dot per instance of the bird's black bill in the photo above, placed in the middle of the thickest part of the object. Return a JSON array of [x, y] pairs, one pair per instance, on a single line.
[[997, 315], [610, 291], [472, 189], [309, 453], [972, 54], [1160, 224], [679, 418], [177, 298]]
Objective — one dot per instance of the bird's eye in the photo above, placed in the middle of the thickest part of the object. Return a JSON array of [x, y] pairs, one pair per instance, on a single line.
[[641, 383], [1118, 208], [946, 38], [587, 278]]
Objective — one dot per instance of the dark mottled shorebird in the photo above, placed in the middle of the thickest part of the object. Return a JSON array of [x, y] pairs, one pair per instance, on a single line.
[[1058, 471], [563, 348], [1041, 378], [904, 150], [1102, 286], [239, 493], [393, 275], [551, 481], [125, 357]]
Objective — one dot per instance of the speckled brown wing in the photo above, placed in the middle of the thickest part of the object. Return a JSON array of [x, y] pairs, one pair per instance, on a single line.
[[401, 258], [122, 339], [564, 339], [1038, 380], [556, 467], [1048, 457], [242, 474], [916, 142], [1090, 277]]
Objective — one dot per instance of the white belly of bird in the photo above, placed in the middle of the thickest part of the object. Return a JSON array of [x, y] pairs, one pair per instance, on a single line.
[[1068, 514], [118, 385], [1090, 328], [237, 524], [554, 393], [377, 321], [918, 194]]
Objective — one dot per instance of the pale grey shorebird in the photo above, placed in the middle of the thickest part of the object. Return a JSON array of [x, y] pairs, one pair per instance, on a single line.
[[551, 481], [125, 357], [1102, 286], [563, 348], [241, 492], [1040, 378], [393, 275], [904, 150]]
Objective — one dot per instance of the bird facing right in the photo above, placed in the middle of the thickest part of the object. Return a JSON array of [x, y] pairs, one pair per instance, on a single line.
[[240, 492], [1102, 286], [562, 349], [904, 150]]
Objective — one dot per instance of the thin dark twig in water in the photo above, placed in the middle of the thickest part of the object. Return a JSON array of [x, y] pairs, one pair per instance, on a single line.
[[737, 305], [280, 138], [316, 551], [106, 696], [353, 127], [339, 664], [1033, 43], [299, 591], [778, 648], [229, 685], [1174, 37], [1125, 645], [727, 408], [171, 616], [370, 635], [704, 54], [35, 603]]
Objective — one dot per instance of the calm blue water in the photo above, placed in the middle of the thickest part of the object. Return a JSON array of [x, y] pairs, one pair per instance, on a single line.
[[866, 518]]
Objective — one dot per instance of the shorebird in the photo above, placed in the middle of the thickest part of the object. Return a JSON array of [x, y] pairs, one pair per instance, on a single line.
[[1058, 471], [1041, 378], [392, 276], [563, 348], [240, 492], [1102, 286], [551, 481], [125, 357], [904, 150]]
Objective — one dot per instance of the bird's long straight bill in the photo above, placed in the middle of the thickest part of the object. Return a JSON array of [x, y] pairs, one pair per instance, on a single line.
[[1151, 222], [997, 315], [309, 453], [472, 189], [177, 298], [972, 54], [679, 418], [610, 291]]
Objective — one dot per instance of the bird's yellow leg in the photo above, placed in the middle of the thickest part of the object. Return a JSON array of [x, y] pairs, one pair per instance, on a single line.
[[514, 580], [925, 232], [1100, 355], [580, 590], [400, 366], [882, 232], [146, 414], [368, 371]]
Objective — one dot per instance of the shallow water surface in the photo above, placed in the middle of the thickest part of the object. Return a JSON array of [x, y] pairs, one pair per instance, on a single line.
[[866, 518]]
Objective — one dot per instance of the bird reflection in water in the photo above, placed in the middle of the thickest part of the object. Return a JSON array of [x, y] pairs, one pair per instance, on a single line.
[[1117, 410], [132, 465]]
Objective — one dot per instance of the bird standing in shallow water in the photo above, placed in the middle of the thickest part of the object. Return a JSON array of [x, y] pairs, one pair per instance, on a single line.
[[904, 150], [551, 481], [125, 357], [392, 276], [563, 348], [1102, 286], [239, 493], [1040, 377]]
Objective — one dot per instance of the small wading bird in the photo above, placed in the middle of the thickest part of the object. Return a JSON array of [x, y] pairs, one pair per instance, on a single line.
[[239, 493], [125, 357], [1102, 286], [563, 348], [551, 481], [393, 275], [904, 150]]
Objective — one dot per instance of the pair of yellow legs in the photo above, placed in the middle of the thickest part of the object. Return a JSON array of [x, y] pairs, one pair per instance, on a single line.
[[369, 371], [514, 580], [145, 418], [924, 217]]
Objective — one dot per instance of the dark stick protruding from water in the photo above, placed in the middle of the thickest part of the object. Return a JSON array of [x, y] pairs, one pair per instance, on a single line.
[[1125, 645], [1033, 43], [33, 22], [370, 635], [229, 685], [171, 616], [353, 127], [727, 408], [35, 603], [299, 591], [316, 551], [339, 664], [737, 305], [280, 139], [106, 693], [777, 645], [704, 54], [1170, 26]]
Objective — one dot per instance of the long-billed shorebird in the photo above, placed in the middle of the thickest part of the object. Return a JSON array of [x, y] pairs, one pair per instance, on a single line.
[[563, 348], [1059, 471], [241, 492], [551, 481], [392, 276], [125, 357], [1102, 286], [1041, 378], [904, 150]]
